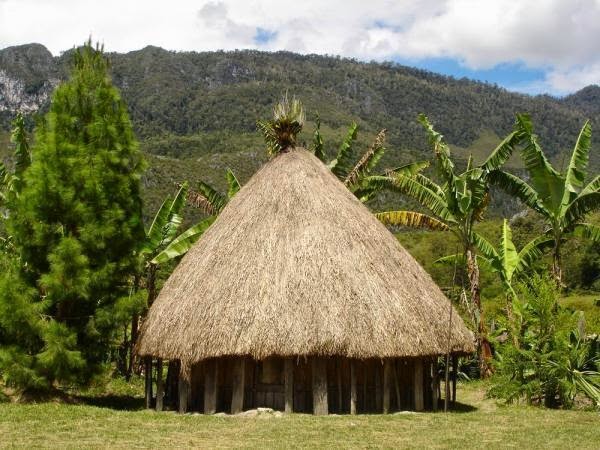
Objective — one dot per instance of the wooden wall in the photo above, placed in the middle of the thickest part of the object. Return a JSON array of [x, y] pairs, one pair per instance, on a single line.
[[388, 385]]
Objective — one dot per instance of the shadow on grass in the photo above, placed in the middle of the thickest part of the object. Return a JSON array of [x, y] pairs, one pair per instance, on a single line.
[[459, 407], [110, 401]]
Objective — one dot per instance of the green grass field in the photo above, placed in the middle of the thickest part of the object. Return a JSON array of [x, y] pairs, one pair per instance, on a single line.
[[117, 421]]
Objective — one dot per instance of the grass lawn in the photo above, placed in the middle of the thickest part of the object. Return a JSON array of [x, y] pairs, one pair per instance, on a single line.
[[118, 421]]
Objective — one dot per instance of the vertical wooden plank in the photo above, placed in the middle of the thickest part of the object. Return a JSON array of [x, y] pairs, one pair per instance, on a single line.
[[435, 381], [210, 387], [319, 386], [352, 387], [454, 376], [237, 385], [365, 382], [418, 385], [160, 390], [397, 385], [184, 387], [378, 391], [288, 381], [148, 380], [338, 367], [387, 385]]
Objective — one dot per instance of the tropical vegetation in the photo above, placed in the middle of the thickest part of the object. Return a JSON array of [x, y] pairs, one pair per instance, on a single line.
[[79, 268]]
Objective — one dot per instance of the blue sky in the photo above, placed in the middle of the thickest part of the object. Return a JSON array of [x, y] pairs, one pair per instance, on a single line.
[[514, 76], [534, 46]]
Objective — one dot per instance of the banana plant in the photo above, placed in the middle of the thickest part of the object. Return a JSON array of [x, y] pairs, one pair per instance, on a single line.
[[357, 175], [562, 199], [209, 200], [160, 245], [505, 261], [456, 206]]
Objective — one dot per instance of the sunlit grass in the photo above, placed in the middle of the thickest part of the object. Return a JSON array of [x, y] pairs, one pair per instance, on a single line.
[[481, 424]]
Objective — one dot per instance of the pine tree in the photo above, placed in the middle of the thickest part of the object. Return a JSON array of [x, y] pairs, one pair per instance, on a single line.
[[77, 221]]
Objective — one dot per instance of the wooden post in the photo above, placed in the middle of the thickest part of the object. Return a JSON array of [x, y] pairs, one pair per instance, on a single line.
[[397, 385], [319, 386], [148, 380], [184, 387], [434, 385], [378, 393], [454, 375], [365, 378], [418, 385], [160, 390], [387, 385], [288, 380], [238, 388], [352, 387], [210, 387], [338, 367]]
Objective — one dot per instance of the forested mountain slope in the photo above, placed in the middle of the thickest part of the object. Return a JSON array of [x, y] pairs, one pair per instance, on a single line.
[[195, 113]]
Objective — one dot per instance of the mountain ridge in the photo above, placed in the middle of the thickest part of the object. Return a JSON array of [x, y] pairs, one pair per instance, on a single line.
[[202, 107]]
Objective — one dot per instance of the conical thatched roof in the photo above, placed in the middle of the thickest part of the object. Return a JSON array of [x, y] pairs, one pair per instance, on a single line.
[[296, 265]]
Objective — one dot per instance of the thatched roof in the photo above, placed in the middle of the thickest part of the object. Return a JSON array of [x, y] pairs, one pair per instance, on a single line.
[[296, 265]]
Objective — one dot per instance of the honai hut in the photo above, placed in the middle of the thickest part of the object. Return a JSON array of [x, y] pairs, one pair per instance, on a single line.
[[297, 298]]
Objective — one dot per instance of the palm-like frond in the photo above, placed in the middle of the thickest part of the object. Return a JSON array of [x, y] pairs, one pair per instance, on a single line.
[[503, 151], [180, 245], [578, 165], [457, 259], [207, 198], [368, 161], [413, 170], [546, 181], [411, 219], [532, 252], [587, 231], [425, 196], [507, 253], [232, 183], [166, 222], [441, 150], [593, 186], [281, 132], [484, 246], [518, 188], [318, 147], [582, 205], [342, 164]]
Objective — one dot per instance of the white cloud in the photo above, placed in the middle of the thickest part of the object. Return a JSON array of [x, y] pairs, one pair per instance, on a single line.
[[559, 36]]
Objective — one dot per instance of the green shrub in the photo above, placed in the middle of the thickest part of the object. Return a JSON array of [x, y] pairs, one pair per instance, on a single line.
[[547, 358]]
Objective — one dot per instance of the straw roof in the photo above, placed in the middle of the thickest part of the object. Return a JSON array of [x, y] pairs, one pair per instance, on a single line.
[[296, 265]]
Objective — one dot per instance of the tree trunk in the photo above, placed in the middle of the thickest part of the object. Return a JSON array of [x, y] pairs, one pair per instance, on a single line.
[[483, 345], [151, 284], [134, 334], [556, 263]]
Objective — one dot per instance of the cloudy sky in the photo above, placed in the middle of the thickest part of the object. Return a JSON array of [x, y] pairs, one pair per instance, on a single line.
[[533, 46]]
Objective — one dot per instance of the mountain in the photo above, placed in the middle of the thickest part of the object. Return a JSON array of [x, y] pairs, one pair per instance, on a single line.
[[195, 113]]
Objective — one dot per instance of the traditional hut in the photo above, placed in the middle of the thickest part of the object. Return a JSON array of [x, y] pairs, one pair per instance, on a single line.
[[297, 298]]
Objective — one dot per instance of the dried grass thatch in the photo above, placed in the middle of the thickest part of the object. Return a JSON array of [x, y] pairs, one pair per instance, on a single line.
[[296, 265]]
